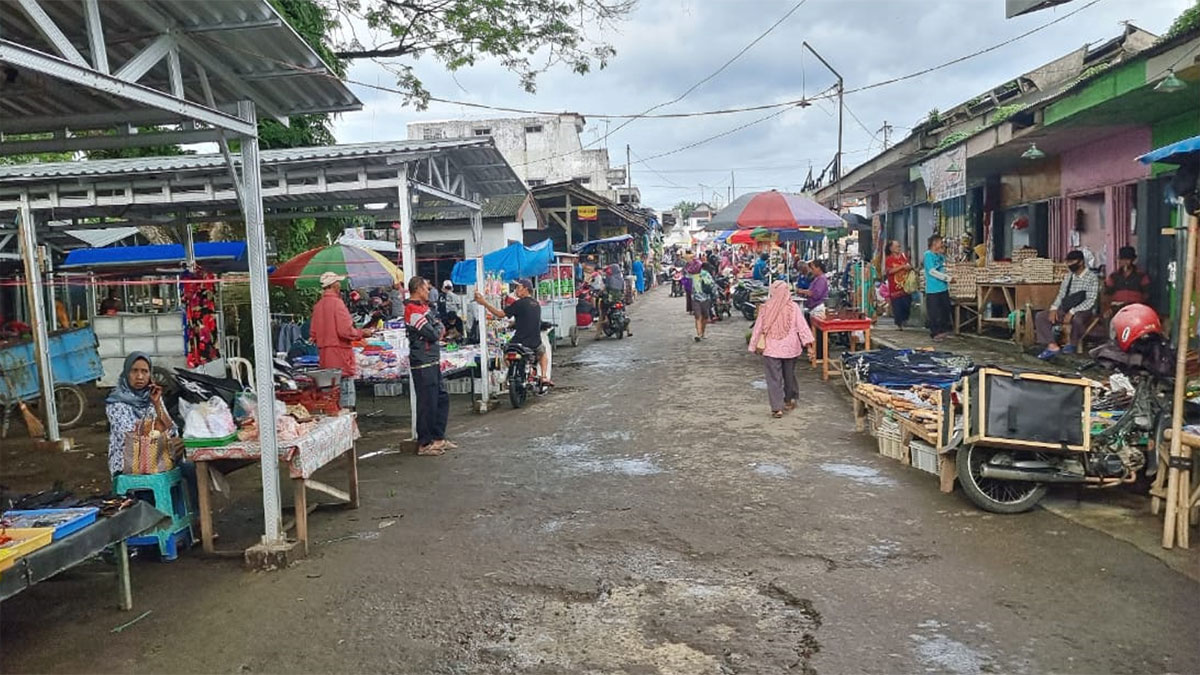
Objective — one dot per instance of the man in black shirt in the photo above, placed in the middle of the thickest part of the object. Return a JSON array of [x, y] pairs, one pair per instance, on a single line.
[[527, 316]]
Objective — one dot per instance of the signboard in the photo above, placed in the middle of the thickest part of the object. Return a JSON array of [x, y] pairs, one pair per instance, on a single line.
[[945, 176], [587, 212]]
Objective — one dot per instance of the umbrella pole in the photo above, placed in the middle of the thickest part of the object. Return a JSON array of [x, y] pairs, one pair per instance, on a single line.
[[1177, 531]]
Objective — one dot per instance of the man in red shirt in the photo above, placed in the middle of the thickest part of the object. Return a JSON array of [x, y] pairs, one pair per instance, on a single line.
[[1127, 284], [333, 331]]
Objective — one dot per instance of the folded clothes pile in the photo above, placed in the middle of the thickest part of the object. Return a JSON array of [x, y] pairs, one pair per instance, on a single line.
[[902, 368]]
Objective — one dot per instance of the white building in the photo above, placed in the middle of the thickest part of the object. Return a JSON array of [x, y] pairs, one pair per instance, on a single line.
[[541, 150]]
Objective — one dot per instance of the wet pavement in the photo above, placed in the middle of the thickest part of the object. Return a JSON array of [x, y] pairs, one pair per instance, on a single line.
[[647, 517]]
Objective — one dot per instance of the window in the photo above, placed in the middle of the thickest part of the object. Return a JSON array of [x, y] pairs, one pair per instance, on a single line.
[[432, 133], [483, 131], [533, 129], [584, 180], [534, 182]]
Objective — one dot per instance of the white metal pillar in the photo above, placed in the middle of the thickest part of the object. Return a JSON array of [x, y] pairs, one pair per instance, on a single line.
[[480, 312], [37, 317], [189, 247], [408, 260], [260, 310]]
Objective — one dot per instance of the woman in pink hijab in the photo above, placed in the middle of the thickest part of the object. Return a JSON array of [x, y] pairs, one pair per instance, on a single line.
[[780, 336]]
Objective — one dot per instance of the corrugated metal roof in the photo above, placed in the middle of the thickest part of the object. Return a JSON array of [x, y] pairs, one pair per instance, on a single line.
[[262, 58], [118, 168]]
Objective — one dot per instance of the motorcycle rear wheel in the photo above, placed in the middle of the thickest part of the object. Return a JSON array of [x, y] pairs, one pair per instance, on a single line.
[[749, 313], [516, 386], [996, 496]]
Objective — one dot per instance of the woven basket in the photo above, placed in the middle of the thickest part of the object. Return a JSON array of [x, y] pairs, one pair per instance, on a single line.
[[1038, 270], [1060, 272], [963, 276], [1022, 254]]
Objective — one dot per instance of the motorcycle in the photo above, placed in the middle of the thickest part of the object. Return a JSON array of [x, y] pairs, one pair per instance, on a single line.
[[676, 282], [722, 302], [616, 322], [747, 296], [523, 378], [1008, 480]]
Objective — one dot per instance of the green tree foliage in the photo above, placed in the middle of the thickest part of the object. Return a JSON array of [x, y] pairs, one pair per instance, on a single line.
[[685, 209], [527, 36], [1188, 20]]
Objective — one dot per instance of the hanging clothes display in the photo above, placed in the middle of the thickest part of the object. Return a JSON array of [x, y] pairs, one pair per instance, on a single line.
[[199, 292]]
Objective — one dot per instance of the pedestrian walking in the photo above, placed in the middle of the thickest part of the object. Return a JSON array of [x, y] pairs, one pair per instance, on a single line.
[[703, 289], [639, 275], [937, 289], [425, 360], [691, 268], [780, 336], [333, 330], [897, 269]]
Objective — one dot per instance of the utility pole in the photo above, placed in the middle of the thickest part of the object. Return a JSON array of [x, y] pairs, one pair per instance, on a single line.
[[732, 187], [841, 106], [628, 168], [887, 135]]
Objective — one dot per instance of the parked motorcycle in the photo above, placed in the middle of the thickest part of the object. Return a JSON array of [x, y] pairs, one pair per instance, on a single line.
[[1012, 480], [616, 322], [722, 299], [747, 295], [523, 377]]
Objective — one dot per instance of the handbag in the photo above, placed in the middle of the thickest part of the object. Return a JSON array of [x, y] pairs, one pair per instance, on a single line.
[[147, 450], [909, 283], [1072, 300]]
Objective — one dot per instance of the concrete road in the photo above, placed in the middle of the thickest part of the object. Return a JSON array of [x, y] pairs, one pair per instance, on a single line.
[[647, 517]]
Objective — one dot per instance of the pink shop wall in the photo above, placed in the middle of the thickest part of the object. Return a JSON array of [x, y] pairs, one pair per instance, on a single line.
[[1109, 161]]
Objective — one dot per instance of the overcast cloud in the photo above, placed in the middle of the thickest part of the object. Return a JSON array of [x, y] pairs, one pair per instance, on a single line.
[[668, 45]]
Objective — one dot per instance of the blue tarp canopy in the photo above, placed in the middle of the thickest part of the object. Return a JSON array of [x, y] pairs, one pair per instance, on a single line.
[[226, 256], [580, 248], [1175, 153], [512, 262]]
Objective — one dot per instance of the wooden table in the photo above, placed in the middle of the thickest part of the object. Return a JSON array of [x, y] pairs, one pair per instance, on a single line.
[[332, 437], [838, 325], [1015, 296]]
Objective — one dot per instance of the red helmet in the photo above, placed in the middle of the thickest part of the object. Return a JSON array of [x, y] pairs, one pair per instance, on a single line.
[[1132, 323]]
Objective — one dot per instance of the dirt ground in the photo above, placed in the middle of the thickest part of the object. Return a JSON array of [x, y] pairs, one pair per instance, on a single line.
[[647, 517]]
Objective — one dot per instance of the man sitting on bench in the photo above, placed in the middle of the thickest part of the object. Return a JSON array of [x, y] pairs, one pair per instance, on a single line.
[[1127, 284], [1072, 308]]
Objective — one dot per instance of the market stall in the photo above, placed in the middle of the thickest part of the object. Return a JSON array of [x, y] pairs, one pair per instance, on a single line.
[[556, 295]]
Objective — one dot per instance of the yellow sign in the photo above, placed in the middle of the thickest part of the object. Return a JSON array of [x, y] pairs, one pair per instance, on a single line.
[[587, 212]]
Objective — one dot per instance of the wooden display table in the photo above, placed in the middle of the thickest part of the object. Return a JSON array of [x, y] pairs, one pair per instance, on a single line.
[[1014, 296], [838, 324], [331, 438]]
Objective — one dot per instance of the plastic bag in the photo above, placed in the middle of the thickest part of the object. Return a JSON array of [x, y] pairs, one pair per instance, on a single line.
[[210, 419], [245, 406]]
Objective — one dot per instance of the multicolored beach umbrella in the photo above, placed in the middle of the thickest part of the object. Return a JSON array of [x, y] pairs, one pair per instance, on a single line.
[[774, 211], [362, 268]]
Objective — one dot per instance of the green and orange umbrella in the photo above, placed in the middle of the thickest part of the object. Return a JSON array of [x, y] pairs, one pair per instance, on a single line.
[[362, 268]]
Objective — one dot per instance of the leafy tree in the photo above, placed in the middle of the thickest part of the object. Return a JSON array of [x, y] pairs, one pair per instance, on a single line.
[[685, 209], [460, 32], [1188, 19]]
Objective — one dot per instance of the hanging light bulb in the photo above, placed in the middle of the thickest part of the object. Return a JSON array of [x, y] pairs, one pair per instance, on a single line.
[[1033, 152], [1171, 83]]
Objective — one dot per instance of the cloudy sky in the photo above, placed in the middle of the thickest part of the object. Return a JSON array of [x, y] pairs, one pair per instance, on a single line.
[[666, 46]]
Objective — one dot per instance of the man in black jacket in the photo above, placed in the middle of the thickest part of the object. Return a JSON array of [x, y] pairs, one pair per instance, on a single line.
[[424, 357]]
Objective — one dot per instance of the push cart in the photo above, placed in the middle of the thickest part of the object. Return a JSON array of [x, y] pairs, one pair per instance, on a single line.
[[74, 360]]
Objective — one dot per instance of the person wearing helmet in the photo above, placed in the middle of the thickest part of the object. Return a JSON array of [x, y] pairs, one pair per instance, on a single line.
[[1072, 308], [1132, 323], [1127, 284]]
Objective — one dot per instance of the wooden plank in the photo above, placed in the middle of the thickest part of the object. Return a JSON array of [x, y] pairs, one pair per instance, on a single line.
[[124, 586], [317, 485], [947, 472], [204, 490]]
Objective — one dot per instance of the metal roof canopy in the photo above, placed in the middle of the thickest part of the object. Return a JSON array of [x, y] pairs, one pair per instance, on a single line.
[[177, 66]]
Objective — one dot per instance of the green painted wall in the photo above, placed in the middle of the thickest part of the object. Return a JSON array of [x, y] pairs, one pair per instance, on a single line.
[[1171, 130], [1120, 80]]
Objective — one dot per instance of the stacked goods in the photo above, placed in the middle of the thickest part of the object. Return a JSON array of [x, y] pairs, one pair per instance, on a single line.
[[919, 404], [962, 284], [891, 441], [1060, 272], [1037, 270], [997, 270], [1022, 254]]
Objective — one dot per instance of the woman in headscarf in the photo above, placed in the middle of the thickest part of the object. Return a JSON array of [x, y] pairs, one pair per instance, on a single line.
[[704, 287], [135, 398], [780, 336]]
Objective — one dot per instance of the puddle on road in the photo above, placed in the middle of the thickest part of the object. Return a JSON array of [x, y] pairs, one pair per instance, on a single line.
[[942, 653], [859, 474], [772, 470], [579, 458], [630, 467], [759, 384]]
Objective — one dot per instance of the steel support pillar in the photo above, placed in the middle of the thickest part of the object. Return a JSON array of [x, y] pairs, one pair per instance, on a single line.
[[408, 261], [37, 318], [480, 312], [260, 309]]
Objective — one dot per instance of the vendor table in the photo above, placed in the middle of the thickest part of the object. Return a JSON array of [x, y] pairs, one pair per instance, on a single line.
[[838, 325], [331, 438], [79, 546], [1014, 296]]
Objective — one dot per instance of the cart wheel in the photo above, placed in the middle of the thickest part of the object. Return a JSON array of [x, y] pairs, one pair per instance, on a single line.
[[574, 333], [71, 404]]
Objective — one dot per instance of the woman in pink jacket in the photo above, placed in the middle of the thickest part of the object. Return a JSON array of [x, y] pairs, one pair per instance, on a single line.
[[780, 335]]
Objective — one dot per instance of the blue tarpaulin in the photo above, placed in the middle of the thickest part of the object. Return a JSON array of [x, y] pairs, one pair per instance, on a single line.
[[1175, 153], [511, 262], [580, 248], [226, 255]]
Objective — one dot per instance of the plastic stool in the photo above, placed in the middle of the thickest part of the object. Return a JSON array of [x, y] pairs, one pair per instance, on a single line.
[[168, 493]]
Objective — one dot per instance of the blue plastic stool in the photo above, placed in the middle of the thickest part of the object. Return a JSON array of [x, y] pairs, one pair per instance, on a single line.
[[168, 493]]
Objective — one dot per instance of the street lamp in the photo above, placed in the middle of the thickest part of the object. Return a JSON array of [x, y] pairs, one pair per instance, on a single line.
[[1033, 152], [1171, 83]]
